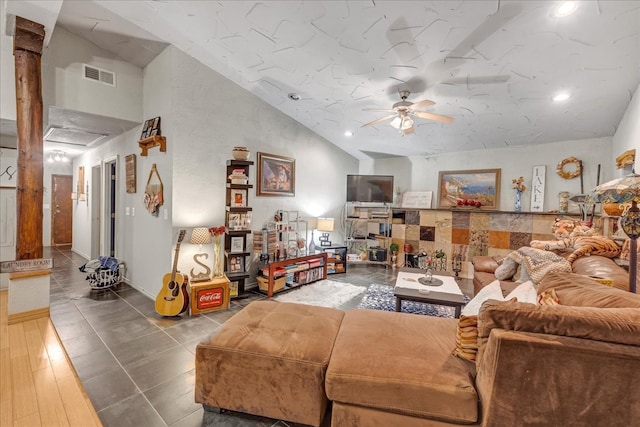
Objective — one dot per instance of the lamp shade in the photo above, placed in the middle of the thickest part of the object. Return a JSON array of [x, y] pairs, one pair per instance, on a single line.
[[325, 224], [621, 190], [200, 236]]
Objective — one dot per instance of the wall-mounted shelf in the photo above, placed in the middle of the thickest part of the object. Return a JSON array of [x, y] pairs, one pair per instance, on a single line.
[[153, 141]]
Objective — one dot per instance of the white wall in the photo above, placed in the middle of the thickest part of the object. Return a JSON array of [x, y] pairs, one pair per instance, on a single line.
[[64, 86], [7, 73], [628, 133], [421, 173]]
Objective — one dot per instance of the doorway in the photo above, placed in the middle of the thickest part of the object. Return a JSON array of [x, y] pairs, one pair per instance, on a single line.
[[96, 209], [110, 197], [61, 214]]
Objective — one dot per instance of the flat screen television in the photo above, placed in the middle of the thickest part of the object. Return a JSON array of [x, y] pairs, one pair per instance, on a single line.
[[370, 188]]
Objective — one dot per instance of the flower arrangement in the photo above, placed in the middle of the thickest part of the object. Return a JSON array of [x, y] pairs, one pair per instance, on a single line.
[[217, 231], [518, 184]]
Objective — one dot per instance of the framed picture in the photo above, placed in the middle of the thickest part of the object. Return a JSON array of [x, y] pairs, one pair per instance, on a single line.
[[130, 166], [276, 175], [237, 244], [82, 196], [151, 127], [481, 185], [417, 199], [238, 198], [236, 264], [233, 221]]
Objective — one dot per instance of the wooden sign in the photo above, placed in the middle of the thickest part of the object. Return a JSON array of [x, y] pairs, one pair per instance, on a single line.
[[537, 188], [417, 199], [26, 265], [130, 166]]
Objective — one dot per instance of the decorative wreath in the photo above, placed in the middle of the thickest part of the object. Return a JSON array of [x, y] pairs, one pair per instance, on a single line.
[[569, 175]]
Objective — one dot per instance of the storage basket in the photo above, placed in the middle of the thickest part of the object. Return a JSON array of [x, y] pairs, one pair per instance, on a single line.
[[278, 284], [104, 273]]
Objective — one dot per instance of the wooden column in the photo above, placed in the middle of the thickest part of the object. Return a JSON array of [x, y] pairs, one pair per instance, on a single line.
[[27, 49]]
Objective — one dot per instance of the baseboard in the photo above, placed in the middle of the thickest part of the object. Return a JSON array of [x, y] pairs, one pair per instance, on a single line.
[[25, 316]]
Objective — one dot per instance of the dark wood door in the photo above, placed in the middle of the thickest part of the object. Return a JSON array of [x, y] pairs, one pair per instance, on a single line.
[[61, 210]]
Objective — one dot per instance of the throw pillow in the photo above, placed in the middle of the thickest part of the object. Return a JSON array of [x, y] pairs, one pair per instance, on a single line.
[[548, 298], [467, 331], [524, 292]]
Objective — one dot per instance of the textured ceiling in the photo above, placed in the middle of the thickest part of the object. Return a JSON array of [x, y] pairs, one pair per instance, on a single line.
[[492, 65]]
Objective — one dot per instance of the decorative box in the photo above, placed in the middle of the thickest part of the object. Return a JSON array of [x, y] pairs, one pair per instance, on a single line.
[[377, 254], [212, 295]]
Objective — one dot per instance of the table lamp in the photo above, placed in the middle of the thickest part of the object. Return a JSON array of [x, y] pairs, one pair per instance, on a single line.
[[325, 225], [313, 223], [200, 236], [624, 190]]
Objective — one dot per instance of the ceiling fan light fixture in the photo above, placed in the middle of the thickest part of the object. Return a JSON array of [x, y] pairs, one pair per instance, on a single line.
[[396, 122]]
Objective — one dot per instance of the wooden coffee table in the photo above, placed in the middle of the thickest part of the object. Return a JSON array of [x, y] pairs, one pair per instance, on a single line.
[[443, 296]]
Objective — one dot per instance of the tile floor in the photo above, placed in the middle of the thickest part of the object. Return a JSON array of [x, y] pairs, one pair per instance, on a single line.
[[138, 367]]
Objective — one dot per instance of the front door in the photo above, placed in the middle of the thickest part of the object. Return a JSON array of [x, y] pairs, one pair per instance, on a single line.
[[61, 221]]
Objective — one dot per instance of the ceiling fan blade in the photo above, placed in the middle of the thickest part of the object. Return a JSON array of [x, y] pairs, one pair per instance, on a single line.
[[420, 104], [382, 119], [436, 117]]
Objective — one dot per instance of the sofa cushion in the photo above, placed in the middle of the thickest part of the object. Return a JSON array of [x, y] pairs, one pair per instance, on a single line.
[[614, 325], [578, 290], [485, 264], [402, 363], [467, 332], [603, 267]]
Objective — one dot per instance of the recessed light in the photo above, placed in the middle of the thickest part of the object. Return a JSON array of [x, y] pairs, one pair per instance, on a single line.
[[566, 8], [348, 133], [294, 97], [561, 97]]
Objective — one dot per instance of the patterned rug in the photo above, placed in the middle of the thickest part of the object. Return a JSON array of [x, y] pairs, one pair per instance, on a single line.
[[380, 297]]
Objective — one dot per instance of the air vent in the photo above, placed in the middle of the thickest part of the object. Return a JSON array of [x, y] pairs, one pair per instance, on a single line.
[[98, 75]]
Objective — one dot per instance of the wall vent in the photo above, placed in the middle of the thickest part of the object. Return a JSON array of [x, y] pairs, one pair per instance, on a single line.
[[99, 75]]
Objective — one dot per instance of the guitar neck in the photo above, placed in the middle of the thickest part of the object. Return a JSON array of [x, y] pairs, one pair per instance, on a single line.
[[174, 270]]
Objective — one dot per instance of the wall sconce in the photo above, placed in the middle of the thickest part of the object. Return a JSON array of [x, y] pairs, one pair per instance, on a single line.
[[326, 225], [200, 236]]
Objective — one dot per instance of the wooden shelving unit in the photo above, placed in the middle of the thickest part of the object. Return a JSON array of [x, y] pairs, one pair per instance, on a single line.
[[276, 265], [153, 141], [235, 239]]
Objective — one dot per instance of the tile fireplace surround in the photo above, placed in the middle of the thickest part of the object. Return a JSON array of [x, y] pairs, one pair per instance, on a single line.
[[474, 232]]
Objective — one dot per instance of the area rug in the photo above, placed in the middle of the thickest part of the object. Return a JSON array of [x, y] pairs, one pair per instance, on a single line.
[[380, 297], [324, 293]]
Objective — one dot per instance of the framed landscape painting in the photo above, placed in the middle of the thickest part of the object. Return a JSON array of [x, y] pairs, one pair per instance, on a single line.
[[481, 185], [276, 175]]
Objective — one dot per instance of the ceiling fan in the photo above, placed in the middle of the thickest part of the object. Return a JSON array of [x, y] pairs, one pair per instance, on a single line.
[[402, 111]]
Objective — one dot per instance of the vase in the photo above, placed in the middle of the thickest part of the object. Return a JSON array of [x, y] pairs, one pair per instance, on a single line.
[[563, 202], [218, 271], [518, 204]]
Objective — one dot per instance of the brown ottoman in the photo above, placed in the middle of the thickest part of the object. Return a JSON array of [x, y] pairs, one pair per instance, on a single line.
[[396, 369], [270, 359]]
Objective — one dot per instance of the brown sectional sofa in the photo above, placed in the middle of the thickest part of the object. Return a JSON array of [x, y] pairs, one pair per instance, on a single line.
[[594, 265], [577, 363]]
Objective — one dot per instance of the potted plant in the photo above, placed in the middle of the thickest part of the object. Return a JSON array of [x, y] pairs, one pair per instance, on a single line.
[[394, 254]]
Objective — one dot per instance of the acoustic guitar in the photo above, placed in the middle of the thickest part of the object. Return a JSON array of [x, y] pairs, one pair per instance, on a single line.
[[173, 298]]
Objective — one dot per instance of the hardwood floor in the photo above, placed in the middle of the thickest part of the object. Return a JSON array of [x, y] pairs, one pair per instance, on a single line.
[[38, 385]]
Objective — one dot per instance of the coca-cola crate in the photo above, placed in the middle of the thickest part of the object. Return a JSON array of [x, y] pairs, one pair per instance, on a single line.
[[212, 295]]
